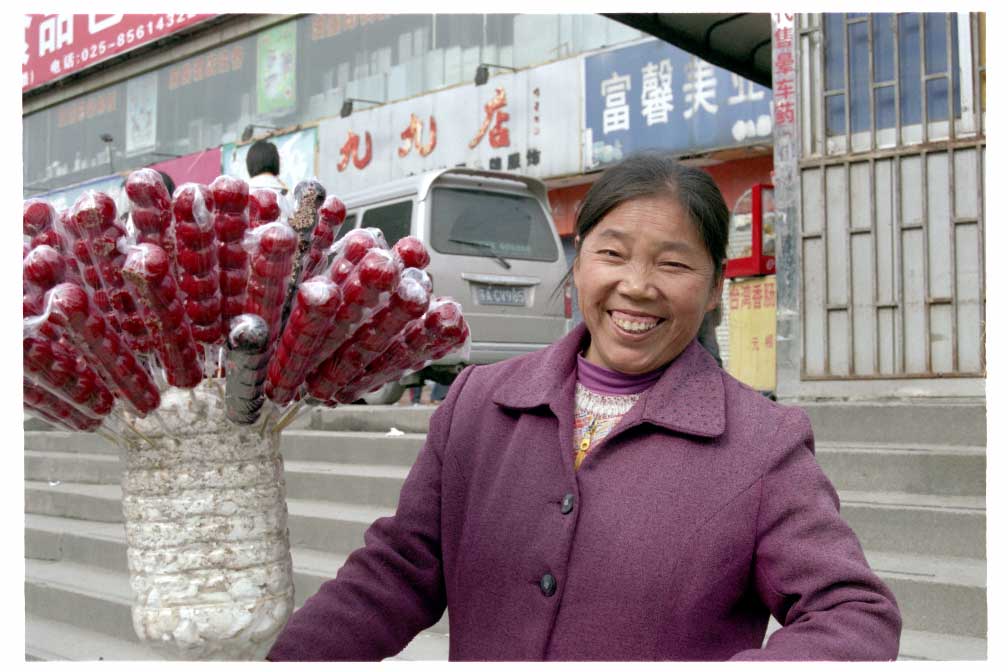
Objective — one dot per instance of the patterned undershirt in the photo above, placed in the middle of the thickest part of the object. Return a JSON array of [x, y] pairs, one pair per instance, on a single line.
[[595, 415]]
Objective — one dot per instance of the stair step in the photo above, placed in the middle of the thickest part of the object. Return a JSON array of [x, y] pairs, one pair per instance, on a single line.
[[924, 469], [943, 525], [47, 639], [351, 447], [951, 421], [85, 501], [920, 645], [362, 418], [936, 594], [60, 441], [72, 467], [76, 594], [370, 484]]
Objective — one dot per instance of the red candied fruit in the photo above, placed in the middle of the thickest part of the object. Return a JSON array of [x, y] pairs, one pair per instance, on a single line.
[[203, 311], [264, 207], [357, 243], [147, 261], [377, 271], [230, 227], [186, 203], [230, 194], [333, 211], [340, 270], [206, 333], [412, 252], [233, 280], [197, 262], [194, 235], [145, 188], [69, 300], [44, 266], [39, 216], [232, 255], [278, 240], [199, 285], [94, 210], [151, 221]]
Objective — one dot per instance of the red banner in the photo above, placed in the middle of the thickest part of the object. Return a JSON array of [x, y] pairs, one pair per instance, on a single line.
[[57, 45]]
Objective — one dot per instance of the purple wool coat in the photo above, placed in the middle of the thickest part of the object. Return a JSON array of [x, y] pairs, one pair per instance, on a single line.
[[703, 512]]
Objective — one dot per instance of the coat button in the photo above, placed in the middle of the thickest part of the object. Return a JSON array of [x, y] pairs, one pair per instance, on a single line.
[[547, 584], [567, 505]]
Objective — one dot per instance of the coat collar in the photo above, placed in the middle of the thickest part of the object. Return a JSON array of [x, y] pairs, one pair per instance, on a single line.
[[689, 397]]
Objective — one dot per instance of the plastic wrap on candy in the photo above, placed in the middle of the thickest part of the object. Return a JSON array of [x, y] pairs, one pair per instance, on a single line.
[[169, 337]]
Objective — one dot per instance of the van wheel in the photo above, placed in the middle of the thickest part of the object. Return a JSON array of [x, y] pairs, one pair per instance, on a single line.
[[388, 393]]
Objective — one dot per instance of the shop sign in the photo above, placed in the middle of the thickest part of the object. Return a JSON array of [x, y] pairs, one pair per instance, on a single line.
[[523, 122], [57, 45], [752, 331], [652, 95]]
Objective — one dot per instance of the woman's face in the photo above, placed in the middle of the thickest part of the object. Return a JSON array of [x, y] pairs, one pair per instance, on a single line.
[[644, 281]]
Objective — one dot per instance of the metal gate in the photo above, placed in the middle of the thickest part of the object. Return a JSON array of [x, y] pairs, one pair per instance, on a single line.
[[892, 195]]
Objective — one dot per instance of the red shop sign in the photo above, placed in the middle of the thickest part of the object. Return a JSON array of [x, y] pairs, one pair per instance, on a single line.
[[57, 45]]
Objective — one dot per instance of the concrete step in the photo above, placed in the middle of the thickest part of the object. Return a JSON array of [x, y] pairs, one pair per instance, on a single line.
[[47, 639], [960, 422], [936, 594], [922, 468], [77, 467], [68, 442], [899, 522], [85, 501], [351, 447], [367, 484], [361, 418], [918, 645]]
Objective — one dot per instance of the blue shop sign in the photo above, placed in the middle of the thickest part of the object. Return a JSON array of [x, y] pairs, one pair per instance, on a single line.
[[652, 95]]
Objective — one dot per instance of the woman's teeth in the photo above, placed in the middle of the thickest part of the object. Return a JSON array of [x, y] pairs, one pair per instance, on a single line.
[[637, 326]]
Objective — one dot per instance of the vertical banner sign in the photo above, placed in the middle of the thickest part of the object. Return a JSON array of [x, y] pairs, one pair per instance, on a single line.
[[786, 149], [275, 74], [141, 113], [652, 95], [297, 157], [752, 331]]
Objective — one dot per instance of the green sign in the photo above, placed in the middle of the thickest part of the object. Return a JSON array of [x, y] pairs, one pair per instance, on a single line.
[[276, 65]]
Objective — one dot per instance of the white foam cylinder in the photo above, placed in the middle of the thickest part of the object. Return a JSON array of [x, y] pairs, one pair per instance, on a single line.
[[206, 527]]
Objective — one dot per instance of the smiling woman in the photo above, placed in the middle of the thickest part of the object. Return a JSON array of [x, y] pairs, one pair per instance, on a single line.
[[618, 481]]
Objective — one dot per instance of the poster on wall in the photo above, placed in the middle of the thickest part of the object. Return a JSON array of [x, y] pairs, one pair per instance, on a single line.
[[275, 80], [652, 95], [752, 331], [297, 157], [516, 122], [141, 114]]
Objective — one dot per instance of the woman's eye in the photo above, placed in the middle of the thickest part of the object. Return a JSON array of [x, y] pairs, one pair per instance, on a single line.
[[609, 253]]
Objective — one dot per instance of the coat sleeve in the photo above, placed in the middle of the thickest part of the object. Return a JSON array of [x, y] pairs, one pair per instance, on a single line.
[[809, 568], [391, 588]]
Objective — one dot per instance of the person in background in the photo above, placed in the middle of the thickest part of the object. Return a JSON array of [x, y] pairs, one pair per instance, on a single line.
[[263, 164], [616, 495]]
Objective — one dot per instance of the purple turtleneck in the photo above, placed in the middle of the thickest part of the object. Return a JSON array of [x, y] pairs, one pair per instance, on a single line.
[[606, 381]]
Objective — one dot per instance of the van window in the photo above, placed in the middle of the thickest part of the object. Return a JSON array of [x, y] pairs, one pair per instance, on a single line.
[[393, 220], [513, 226], [347, 226]]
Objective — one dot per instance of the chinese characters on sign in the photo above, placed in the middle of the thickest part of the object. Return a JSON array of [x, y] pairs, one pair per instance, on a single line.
[[498, 134], [56, 45], [80, 109], [752, 331], [217, 62], [784, 98], [652, 95], [348, 152], [413, 137]]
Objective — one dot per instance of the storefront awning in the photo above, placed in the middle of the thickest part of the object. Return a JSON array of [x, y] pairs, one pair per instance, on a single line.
[[736, 42]]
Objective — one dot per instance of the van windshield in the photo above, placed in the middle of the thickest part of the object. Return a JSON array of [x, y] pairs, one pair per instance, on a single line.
[[474, 223]]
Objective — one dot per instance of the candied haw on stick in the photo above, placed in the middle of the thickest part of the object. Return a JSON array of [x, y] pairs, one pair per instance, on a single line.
[[271, 249], [412, 252], [39, 224], [248, 352], [68, 307], [55, 410], [408, 302], [59, 367], [196, 258], [315, 305], [330, 219], [308, 198], [148, 271], [231, 221], [94, 236], [151, 208]]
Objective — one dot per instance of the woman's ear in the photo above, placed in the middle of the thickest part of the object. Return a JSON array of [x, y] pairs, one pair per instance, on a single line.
[[716, 289]]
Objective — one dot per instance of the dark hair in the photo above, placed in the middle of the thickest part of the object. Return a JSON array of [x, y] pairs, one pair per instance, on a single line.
[[262, 157], [168, 182]]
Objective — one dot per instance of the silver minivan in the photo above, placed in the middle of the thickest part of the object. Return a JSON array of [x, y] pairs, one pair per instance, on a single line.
[[493, 248]]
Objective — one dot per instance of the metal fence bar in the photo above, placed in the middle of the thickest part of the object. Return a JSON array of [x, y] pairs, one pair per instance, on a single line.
[[926, 259], [950, 76], [921, 34], [846, 81]]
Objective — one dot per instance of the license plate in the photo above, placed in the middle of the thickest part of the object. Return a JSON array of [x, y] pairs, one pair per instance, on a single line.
[[500, 295]]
